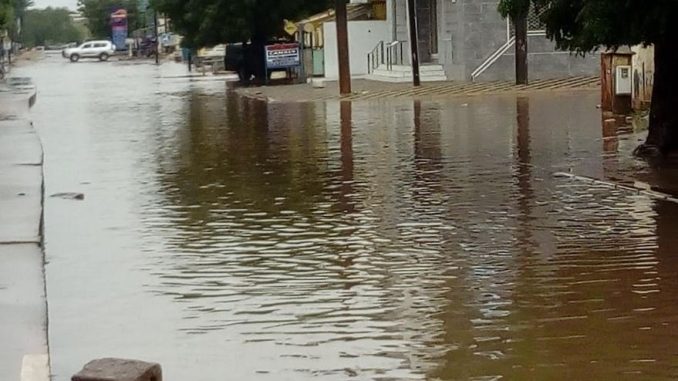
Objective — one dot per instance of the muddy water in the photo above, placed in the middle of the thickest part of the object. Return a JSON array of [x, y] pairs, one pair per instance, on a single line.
[[381, 240]]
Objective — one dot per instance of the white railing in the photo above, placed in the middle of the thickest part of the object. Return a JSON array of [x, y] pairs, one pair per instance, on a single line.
[[386, 55], [534, 30], [493, 58]]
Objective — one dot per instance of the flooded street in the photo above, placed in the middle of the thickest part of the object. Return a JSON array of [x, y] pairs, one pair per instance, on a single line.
[[230, 239]]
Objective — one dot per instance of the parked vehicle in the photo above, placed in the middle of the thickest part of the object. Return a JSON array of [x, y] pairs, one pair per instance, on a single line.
[[147, 47], [246, 60], [101, 50], [213, 57]]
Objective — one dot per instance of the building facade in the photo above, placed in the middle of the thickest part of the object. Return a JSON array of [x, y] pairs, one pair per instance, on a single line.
[[464, 39], [471, 40]]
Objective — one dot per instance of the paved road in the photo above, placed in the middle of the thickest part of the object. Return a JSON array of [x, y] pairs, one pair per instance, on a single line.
[[399, 239]]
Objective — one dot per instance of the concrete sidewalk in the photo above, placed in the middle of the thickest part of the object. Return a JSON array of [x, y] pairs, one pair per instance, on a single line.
[[365, 89], [23, 306]]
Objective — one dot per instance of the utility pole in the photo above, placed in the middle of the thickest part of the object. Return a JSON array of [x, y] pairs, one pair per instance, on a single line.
[[157, 40], [342, 47], [520, 23], [414, 41]]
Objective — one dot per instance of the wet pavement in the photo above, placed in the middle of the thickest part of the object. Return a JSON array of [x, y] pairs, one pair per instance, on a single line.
[[23, 310], [230, 239], [363, 89]]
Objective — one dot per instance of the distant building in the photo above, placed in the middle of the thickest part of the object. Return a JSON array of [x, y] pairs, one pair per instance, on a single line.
[[78, 18]]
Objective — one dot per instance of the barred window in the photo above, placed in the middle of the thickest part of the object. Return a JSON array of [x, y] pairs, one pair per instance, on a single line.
[[534, 22]]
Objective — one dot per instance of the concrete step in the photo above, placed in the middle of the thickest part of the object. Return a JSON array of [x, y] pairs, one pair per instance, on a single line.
[[400, 73], [408, 69], [403, 79]]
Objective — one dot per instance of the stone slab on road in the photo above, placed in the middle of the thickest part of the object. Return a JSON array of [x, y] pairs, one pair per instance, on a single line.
[[19, 143], [21, 183], [22, 301]]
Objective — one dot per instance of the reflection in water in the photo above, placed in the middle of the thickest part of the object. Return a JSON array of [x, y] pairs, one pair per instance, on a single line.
[[346, 118], [447, 273], [379, 240]]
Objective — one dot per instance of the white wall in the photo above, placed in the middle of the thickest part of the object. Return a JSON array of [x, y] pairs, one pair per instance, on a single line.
[[363, 36]]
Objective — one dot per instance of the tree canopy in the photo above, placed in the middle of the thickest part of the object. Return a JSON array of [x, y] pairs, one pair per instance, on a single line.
[[10, 12], [210, 22], [98, 15], [585, 25], [514, 8], [6, 13], [50, 25]]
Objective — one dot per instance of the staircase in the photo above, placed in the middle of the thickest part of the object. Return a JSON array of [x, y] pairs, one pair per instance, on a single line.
[[403, 73]]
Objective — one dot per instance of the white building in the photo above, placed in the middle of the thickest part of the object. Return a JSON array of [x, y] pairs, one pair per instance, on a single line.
[[458, 40]]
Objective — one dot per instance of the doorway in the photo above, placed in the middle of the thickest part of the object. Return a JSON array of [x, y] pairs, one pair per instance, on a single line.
[[427, 28]]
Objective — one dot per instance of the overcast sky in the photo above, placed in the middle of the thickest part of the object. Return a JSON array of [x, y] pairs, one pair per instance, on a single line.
[[72, 4]]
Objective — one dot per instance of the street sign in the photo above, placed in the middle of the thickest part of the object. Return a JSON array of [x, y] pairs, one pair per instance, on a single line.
[[119, 28], [283, 56]]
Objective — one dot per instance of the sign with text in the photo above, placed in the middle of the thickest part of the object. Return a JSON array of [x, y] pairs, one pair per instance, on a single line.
[[119, 28], [283, 56]]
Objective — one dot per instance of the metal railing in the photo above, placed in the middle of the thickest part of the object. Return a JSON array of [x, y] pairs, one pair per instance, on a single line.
[[375, 57], [493, 58], [386, 54], [535, 29], [395, 54]]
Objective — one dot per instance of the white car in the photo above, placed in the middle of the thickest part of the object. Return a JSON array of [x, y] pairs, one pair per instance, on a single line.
[[90, 49]]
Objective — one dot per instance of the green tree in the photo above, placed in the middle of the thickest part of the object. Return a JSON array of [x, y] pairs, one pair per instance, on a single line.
[[98, 15], [210, 22], [47, 26], [585, 25], [6, 14], [12, 13]]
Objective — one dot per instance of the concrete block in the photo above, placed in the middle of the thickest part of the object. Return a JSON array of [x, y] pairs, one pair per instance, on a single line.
[[111, 369], [23, 311]]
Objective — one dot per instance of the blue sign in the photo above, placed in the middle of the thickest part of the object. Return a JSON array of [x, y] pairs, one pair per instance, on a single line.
[[119, 38], [119, 28]]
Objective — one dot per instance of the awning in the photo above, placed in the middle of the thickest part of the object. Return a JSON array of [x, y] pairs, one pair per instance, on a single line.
[[355, 12]]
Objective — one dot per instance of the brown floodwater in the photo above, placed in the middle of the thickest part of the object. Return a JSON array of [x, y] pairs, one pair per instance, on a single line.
[[229, 239]]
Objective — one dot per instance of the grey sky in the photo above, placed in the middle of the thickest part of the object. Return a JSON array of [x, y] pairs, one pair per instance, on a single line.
[[72, 4]]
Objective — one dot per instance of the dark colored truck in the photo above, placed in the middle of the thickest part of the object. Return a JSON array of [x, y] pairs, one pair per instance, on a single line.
[[242, 59]]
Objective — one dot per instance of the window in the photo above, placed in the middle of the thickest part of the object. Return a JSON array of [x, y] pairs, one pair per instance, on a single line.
[[534, 21], [87, 46]]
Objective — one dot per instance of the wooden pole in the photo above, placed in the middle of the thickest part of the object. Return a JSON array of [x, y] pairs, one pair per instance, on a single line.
[[521, 50], [157, 41], [414, 41], [342, 47]]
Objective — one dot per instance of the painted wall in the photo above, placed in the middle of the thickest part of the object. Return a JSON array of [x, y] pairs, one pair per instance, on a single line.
[[643, 76], [363, 36], [469, 31], [544, 62]]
